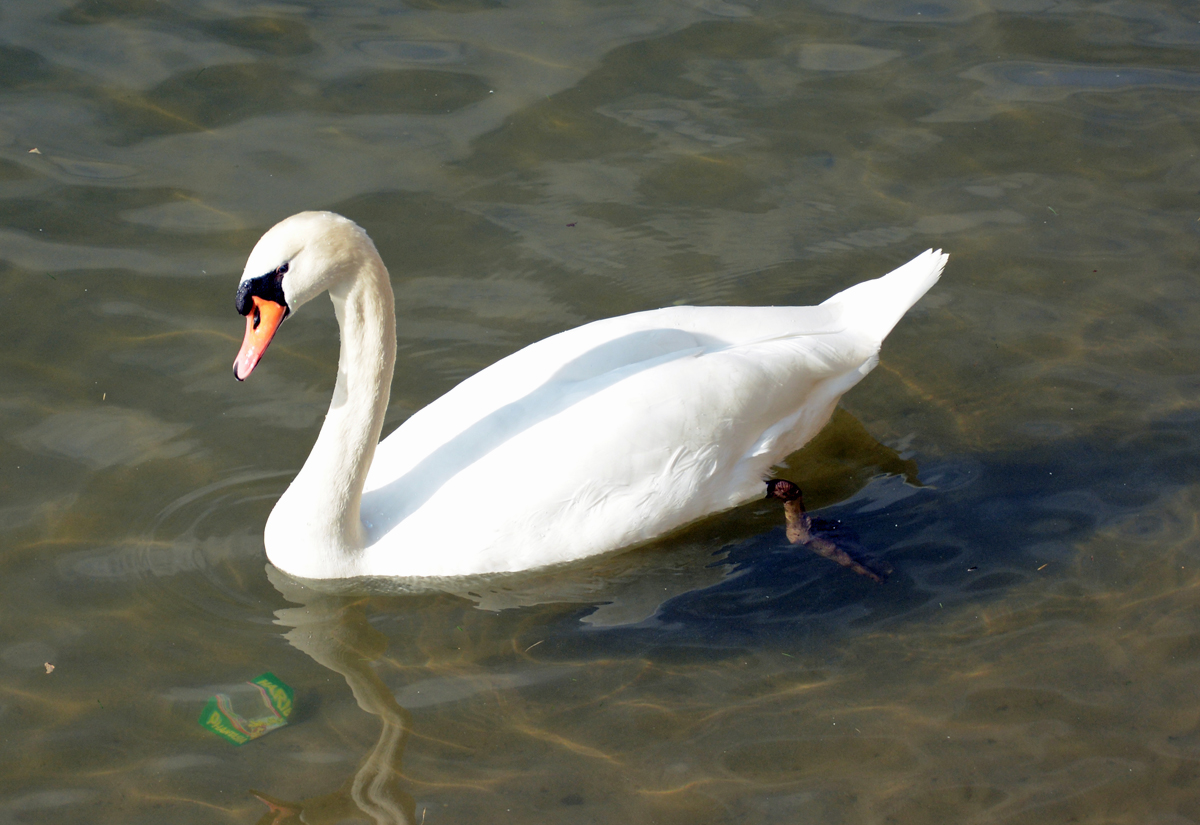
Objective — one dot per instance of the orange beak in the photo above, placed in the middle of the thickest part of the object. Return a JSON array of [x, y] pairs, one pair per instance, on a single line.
[[261, 323]]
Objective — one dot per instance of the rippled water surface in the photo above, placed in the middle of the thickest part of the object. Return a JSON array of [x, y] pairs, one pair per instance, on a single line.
[[1025, 457]]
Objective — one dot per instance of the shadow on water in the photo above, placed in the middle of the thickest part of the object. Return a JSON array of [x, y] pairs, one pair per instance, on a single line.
[[977, 528]]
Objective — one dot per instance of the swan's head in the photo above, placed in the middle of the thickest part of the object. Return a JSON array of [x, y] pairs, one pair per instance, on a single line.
[[299, 258]]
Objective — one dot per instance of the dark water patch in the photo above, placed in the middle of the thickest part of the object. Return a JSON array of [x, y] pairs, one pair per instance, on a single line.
[[1092, 39], [23, 68], [455, 6], [86, 214], [1026, 705], [535, 135], [431, 52], [568, 127], [277, 36], [400, 91], [621, 215], [786, 759], [211, 97], [417, 232], [1092, 78], [10, 171], [995, 581], [91, 12], [949, 803], [709, 181], [218, 96]]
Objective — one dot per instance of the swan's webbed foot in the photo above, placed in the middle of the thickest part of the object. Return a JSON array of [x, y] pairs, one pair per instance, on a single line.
[[799, 528]]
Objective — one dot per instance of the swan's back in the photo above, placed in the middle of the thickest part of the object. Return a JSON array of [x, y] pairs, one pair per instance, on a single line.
[[622, 429]]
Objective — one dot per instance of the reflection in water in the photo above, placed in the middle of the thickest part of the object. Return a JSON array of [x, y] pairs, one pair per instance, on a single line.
[[335, 633]]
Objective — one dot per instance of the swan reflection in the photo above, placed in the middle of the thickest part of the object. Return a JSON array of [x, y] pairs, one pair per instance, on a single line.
[[334, 631]]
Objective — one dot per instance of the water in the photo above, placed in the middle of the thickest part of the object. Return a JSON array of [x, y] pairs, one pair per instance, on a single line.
[[1025, 458]]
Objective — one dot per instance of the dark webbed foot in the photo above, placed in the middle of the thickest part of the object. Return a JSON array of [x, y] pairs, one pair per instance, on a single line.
[[799, 528]]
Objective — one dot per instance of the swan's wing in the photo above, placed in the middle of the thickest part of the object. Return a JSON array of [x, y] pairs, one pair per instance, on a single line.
[[614, 459], [564, 362], [620, 430], [522, 388]]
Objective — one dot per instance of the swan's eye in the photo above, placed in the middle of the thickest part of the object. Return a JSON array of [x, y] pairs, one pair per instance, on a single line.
[[257, 316], [283, 268]]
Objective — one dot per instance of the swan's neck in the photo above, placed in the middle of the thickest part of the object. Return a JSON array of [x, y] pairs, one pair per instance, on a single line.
[[315, 529]]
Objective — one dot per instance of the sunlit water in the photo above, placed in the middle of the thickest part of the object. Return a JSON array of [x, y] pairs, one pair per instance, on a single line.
[[1025, 458]]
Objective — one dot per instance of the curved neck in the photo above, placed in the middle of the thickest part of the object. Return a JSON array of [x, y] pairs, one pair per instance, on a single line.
[[316, 522]]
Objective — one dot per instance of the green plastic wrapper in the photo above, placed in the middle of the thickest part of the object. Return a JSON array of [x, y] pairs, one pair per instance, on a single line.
[[251, 713]]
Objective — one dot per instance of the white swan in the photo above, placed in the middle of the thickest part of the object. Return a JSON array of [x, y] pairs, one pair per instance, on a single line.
[[588, 441]]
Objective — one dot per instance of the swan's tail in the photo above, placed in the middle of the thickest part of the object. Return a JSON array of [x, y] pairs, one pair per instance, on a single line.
[[874, 307]]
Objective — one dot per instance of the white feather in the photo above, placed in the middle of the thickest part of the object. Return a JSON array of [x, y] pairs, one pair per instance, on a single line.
[[588, 441]]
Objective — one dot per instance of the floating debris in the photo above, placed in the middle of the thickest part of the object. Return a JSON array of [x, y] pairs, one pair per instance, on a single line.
[[258, 712], [49, 667]]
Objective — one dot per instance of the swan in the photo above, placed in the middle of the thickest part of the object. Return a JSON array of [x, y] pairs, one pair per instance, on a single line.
[[591, 440]]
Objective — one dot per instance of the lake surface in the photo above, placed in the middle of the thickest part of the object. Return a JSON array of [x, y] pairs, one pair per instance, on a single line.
[[1026, 457]]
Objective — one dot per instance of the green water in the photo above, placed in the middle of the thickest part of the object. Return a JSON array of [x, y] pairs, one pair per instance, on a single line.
[[1026, 456]]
